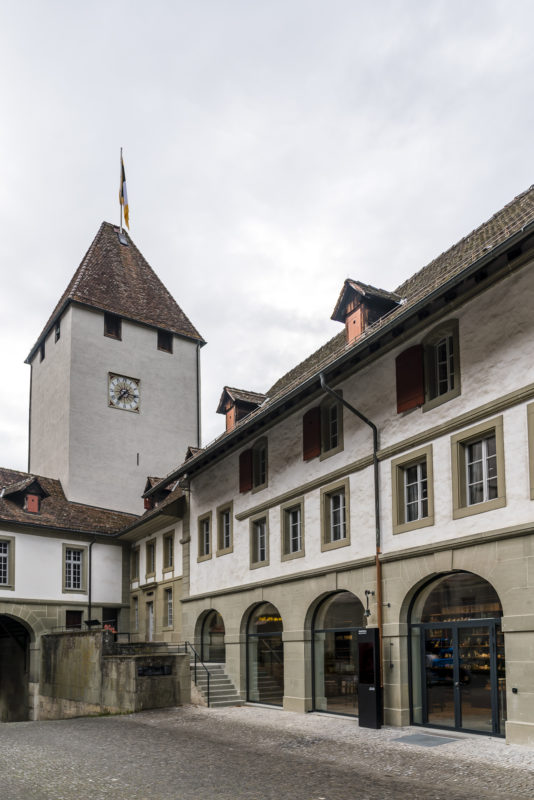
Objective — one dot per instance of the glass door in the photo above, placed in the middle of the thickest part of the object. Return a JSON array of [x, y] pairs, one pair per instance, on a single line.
[[462, 673]]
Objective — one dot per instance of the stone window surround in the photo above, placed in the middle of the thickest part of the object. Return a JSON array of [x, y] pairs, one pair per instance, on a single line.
[[252, 546], [285, 508], [135, 562], [150, 544], [204, 556], [398, 468], [168, 592], [221, 550], [168, 541], [459, 478], [326, 493], [84, 552]]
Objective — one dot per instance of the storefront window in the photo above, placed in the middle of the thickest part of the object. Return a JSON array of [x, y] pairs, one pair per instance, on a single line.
[[335, 653], [265, 653], [457, 656]]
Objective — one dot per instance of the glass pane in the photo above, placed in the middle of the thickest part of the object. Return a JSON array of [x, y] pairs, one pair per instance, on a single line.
[[266, 669], [266, 619], [475, 683], [342, 610], [439, 676], [336, 678], [474, 451], [213, 648], [501, 681], [417, 685], [461, 596]]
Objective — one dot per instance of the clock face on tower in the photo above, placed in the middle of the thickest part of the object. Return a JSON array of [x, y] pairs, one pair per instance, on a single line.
[[123, 392]]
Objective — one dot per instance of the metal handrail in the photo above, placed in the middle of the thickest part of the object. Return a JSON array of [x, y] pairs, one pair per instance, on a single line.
[[198, 660]]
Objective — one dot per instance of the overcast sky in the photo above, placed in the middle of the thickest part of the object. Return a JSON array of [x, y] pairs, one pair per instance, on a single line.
[[272, 149]]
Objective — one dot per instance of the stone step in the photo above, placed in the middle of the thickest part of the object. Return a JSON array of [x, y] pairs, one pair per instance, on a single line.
[[226, 703]]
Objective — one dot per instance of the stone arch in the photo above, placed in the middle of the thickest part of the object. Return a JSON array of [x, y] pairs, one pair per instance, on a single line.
[[209, 636], [17, 663]]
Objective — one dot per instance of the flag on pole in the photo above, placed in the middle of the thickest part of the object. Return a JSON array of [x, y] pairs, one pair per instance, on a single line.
[[123, 195]]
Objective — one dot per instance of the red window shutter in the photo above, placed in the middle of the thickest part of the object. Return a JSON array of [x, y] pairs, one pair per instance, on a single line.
[[410, 378], [245, 471], [311, 434]]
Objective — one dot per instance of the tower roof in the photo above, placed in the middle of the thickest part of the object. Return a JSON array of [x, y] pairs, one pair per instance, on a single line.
[[114, 276]]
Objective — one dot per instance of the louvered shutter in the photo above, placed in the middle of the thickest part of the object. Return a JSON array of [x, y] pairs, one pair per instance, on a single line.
[[245, 471], [410, 378], [311, 433]]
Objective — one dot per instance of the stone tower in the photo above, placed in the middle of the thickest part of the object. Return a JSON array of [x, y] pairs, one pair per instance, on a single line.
[[115, 382]]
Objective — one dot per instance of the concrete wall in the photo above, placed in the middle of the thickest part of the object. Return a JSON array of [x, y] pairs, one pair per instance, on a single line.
[[79, 677]]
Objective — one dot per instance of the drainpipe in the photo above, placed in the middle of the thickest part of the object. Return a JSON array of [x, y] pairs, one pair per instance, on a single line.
[[89, 573], [378, 563], [199, 431]]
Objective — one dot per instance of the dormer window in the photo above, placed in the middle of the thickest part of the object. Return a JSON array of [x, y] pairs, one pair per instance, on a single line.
[[236, 404], [112, 325], [360, 305], [32, 503], [165, 341]]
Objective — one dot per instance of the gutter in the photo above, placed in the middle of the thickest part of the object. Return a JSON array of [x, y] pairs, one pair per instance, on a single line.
[[241, 430]]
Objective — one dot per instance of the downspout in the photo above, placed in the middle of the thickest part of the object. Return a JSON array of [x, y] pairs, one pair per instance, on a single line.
[[89, 574], [378, 563]]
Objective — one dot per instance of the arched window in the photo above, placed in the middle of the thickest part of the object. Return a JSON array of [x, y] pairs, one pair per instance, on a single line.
[[265, 656]]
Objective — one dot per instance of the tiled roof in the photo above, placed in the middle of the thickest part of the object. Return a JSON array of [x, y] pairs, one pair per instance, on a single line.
[[55, 510], [503, 225], [117, 278]]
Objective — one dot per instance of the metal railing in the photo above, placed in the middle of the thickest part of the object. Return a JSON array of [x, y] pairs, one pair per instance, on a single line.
[[188, 648]]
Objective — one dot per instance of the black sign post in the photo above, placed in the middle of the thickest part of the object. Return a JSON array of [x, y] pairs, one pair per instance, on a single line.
[[369, 692]]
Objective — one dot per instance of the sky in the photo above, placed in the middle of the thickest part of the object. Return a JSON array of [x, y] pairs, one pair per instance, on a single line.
[[272, 149]]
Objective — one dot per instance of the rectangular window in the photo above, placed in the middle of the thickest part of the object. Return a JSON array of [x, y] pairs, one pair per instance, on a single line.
[[335, 516], [73, 569], [292, 524], [204, 537], [412, 490], [4, 563], [478, 469], [442, 364], [415, 492], [165, 341], [259, 542], [150, 559], [259, 464], [134, 564], [112, 325], [224, 529], [444, 356], [331, 427], [168, 608], [168, 551]]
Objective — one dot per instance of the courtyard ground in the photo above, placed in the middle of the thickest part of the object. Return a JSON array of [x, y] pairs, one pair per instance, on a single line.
[[252, 753]]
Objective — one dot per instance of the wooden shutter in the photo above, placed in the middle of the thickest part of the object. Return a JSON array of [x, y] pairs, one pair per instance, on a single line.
[[311, 434], [245, 471], [410, 378]]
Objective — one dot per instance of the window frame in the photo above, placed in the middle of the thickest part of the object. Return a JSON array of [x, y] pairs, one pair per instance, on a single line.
[[168, 549], [83, 570], [135, 564], [10, 542], [223, 509], [168, 622], [253, 523], [151, 544], [326, 407], [398, 471], [448, 329], [202, 555], [285, 532], [260, 446], [327, 492], [459, 443]]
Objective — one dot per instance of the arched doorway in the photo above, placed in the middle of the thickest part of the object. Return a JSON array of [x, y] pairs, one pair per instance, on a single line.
[[212, 646], [457, 655], [335, 653], [14, 669], [265, 656]]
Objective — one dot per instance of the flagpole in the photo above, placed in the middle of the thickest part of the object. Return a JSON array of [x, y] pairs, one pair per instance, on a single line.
[[120, 190]]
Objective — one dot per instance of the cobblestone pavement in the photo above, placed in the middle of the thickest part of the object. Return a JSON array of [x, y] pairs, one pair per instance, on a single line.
[[250, 753]]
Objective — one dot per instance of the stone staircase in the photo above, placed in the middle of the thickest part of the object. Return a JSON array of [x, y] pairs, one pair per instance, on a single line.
[[222, 690]]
